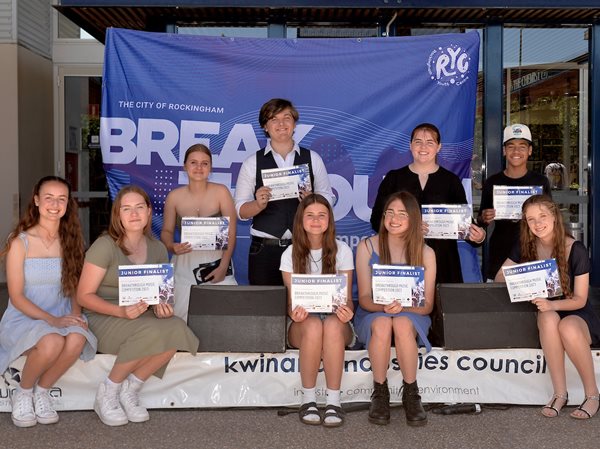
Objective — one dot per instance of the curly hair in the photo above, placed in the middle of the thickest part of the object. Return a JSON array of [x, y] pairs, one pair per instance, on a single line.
[[414, 235], [115, 227], [301, 245], [528, 239], [69, 232]]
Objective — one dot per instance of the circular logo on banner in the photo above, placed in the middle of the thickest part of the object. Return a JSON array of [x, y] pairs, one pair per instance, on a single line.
[[11, 377], [449, 65]]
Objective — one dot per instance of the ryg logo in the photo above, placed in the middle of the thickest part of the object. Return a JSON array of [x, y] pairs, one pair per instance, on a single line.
[[449, 65]]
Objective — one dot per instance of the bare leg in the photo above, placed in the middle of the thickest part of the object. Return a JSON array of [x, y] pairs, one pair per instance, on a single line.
[[143, 368], [554, 352], [40, 358], [380, 347], [335, 337], [307, 336], [407, 351], [73, 344], [576, 339]]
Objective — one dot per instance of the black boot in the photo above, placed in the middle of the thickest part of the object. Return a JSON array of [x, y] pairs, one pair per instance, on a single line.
[[379, 411], [411, 400]]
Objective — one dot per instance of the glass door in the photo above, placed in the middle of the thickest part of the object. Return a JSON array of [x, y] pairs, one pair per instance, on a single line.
[[546, 88], [80, 158]]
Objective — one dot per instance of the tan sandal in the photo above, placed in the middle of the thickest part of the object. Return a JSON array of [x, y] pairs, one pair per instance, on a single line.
[[556, 408], [580, 408]]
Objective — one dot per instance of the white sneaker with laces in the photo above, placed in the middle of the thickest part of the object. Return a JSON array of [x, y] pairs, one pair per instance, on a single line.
[[130, 400], [44, 412], [107, 407], [23, 414]]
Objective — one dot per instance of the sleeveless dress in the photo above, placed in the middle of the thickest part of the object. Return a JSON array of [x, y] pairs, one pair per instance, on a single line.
[[19, 332], [184, 277], [364, 318]]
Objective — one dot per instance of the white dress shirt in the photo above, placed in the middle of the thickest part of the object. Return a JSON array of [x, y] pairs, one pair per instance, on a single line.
[[246, 181]]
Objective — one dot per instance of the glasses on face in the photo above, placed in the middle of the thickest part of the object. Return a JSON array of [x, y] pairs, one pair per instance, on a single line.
[[425, 143], [400, 215], [138, 208]]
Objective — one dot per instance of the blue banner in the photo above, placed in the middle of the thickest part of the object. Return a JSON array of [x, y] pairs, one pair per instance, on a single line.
[[358, 100]]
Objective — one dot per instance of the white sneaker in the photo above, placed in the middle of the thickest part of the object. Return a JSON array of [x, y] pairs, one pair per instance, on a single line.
[[44, 412], [23, 414], [107, 407], [130, 400]]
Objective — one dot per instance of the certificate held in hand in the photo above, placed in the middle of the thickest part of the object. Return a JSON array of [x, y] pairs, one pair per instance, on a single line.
[[447, 221], [405, 284], [151, 283], [530, 280], [285, 183], [319, 293], [509, 200], [205, 233]]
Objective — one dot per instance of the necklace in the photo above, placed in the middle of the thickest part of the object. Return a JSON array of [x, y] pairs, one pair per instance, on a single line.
[[49, 240], [315, 261]]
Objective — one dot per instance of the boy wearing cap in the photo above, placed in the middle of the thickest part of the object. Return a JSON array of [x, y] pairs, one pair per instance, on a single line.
[[517, 149]]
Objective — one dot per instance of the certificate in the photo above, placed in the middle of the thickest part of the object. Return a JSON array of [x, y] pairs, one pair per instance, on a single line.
[[319, 293], [508, 200], [205, 233], [405, 284], [151, 283], [447, 221], [285, 183], [538, 279]]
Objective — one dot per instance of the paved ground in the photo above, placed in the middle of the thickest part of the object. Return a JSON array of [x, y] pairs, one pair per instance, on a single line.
[[517, 427]]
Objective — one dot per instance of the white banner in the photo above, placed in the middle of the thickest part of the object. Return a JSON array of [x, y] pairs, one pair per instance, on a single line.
[[502, 376]]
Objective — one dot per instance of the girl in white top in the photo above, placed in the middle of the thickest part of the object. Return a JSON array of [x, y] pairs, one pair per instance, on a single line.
[[315, 250]]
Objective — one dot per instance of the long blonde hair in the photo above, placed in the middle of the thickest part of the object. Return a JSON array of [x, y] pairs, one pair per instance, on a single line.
[[528, 239], [414, 240]]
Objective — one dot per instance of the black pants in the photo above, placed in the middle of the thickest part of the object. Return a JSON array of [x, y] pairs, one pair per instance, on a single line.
[[263, 264]]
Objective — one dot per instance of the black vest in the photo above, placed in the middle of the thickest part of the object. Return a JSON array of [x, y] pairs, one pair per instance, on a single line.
[[278, 216]]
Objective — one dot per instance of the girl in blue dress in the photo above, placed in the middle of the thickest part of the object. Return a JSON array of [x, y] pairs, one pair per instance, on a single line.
[[44, 256], [399, 242]]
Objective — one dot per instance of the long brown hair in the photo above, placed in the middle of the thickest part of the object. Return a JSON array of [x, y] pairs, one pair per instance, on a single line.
[[301, 245], [414, 240], [115, 227], [528, 239], [69, 232]]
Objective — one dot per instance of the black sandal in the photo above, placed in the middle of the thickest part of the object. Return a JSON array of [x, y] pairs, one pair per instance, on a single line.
[[310, 409], [551, 405], [589, 415], [335, 412]]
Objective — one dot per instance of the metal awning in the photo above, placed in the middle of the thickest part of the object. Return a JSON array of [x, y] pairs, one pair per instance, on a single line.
[[95, 16]]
